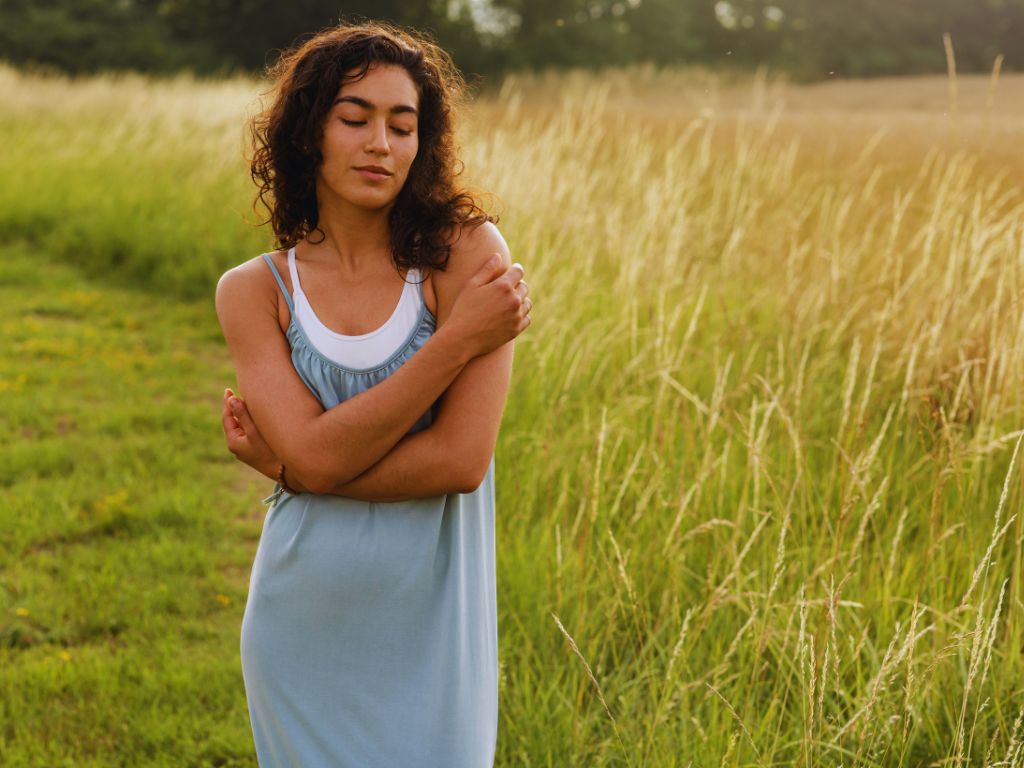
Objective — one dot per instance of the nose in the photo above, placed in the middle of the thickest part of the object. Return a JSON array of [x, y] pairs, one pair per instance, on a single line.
[[378, 141]]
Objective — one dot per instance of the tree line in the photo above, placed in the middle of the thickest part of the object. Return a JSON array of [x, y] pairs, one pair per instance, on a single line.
[[810, 39]]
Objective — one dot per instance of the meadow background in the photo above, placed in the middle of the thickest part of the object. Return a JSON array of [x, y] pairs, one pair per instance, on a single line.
[[758, 481]]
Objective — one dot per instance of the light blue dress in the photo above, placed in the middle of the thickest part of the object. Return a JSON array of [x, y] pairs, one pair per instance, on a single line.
[[370, 635]]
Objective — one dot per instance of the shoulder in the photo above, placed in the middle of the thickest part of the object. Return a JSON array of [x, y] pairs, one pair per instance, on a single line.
[[247, 287], [471, 246]]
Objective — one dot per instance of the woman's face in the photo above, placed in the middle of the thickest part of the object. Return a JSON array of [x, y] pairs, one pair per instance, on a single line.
[[373, 122]]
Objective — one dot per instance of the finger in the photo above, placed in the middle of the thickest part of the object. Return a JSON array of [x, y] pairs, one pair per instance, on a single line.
[[232, 431], [523, 290], [241, 413], [515, 273], [490, 269], [527, 306]]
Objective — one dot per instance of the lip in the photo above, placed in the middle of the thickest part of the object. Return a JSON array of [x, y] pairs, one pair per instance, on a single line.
[[373, 172]]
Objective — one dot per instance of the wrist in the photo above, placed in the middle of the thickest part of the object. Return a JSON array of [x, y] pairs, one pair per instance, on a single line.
[[282, 480], [453, 343]]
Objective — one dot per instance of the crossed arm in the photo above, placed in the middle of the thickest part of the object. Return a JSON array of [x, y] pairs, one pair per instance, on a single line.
[[360, 447], [427, 463]]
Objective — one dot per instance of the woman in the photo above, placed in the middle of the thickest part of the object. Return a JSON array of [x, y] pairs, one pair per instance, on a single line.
[[375, 352]]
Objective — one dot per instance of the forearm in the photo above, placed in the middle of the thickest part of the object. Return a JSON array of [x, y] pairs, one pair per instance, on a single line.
[[351, 437], [415, 468], [419, 466]]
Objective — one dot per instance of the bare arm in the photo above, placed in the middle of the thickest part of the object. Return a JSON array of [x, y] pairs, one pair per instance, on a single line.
[[453, 454], [450, 456], [420, 465], [322, 448]]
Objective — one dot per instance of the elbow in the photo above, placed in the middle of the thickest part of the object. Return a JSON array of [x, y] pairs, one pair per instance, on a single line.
[[311, 478], [323, 479], [471, 476], [315, 484]]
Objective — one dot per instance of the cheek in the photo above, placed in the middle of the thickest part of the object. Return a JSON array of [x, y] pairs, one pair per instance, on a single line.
[[410, 156]]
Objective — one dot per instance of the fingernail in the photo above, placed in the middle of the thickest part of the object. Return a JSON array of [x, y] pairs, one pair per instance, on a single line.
[[492, 261], [235, 404]]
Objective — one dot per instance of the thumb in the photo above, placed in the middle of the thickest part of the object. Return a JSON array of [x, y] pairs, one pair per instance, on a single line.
[[490, 269]]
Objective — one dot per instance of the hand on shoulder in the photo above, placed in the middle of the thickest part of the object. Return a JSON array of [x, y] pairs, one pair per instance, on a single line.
[[484, 302], [472, 246]]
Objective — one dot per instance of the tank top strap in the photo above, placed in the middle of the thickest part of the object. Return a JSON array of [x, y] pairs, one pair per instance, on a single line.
[[293, 271], [280, 282]]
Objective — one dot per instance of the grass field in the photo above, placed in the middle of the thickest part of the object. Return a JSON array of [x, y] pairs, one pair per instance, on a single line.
[[759, 495]]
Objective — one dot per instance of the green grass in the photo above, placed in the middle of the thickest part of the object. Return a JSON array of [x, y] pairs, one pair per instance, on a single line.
[[755, 495], [127, 531]]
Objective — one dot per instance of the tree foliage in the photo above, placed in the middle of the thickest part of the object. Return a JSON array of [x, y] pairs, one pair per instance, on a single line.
[[809, 38]]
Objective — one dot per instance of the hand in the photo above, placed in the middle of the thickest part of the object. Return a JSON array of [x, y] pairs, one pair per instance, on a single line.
[[244, 439], [492, 308]]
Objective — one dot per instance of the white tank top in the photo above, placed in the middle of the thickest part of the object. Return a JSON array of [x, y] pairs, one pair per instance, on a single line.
[[367, 349]]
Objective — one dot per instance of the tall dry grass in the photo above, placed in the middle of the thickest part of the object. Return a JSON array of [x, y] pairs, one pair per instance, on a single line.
[[760, 445]]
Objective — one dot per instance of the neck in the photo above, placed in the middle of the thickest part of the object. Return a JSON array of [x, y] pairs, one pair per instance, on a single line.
[[356, 238]]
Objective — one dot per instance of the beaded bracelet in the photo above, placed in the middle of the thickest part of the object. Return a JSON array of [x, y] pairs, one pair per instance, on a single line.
[[284, 483]]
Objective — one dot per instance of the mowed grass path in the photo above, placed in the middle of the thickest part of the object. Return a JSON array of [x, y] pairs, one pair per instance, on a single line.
[[127, 530]]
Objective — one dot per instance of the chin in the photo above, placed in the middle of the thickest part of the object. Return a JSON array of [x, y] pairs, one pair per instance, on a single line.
[[375, 204], [358, 195], [370, 201]]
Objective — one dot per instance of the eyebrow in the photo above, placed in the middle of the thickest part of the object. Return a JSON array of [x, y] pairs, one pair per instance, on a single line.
[[397, 109]]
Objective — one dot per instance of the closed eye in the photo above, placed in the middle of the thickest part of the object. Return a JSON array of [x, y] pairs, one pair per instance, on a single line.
[[363, 122]]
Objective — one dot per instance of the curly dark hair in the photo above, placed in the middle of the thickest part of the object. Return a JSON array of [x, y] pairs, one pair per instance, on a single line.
[[286, 138]]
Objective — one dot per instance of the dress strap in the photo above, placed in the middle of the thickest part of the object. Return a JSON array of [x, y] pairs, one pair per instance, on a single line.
[[280, 282]]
